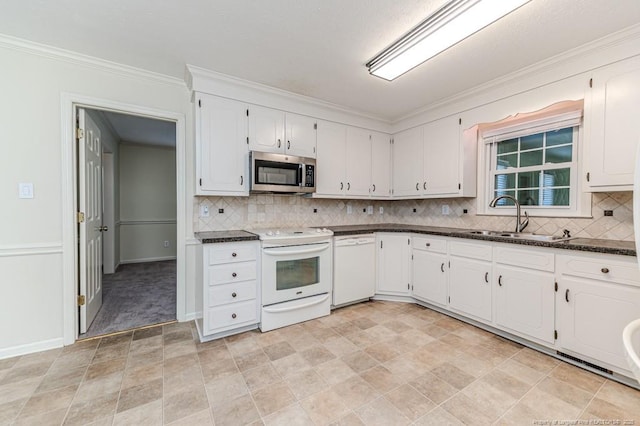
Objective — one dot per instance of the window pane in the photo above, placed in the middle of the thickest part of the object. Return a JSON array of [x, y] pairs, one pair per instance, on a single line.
[[555, 197], [560, 154], [504, 201], [531, 141], [506, 161], [510, 145], [528, 197], [507, 181], [559, 137], [558, 177], [531, 158], [528, 180]]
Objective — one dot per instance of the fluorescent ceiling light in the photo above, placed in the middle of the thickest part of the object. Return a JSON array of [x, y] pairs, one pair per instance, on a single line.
[[452, 23]]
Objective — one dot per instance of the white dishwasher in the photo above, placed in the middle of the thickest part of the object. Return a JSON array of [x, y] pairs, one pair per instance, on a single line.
[[354, 269]]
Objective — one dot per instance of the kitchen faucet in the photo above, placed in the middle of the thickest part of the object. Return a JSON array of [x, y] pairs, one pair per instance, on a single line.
[[519, 225]]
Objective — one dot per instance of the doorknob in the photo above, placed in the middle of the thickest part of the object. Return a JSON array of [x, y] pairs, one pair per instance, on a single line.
[[103, 228]]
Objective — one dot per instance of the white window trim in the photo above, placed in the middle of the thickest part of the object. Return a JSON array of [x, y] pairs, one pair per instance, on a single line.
[[556, 116]]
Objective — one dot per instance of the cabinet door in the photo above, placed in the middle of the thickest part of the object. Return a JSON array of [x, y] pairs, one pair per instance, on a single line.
[[330, 162], [612, 130], [358, 165], [300, 135], [380, 165], [266, 129], [525, 302], [221, 143], [592, 315], [393, 264], [430, 276], [441, 157], [470, 288], [407, 163]]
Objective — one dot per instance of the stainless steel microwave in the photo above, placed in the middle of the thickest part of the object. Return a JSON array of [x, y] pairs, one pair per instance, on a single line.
[[271, 172]]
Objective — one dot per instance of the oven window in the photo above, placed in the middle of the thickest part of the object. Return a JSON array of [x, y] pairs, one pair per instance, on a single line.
[[271, 173], [297, 273]]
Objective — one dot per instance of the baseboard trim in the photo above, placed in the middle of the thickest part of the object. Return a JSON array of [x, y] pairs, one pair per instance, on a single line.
[[30, 348], [192, 316], [148, 259]]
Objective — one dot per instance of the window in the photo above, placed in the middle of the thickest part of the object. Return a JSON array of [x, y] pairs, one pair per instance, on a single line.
[[534, 158]]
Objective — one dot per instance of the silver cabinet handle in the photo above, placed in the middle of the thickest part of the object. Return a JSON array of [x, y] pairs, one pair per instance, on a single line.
[[279, 143], [234, 275], [341, 186], [500, 280], [348, 186], [288, 144], [424, 185], [604, 270], [234, 254], [417, 186], [104, 228], [566, 295], [374, 187], [233, 294], [241, 180], [233, 316], [486, 277], [428, 244], [442, 267]]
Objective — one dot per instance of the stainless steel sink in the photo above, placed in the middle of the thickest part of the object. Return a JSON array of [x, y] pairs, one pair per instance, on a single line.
[[519, 235]]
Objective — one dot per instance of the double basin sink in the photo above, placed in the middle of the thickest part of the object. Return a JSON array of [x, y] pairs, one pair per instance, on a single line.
[[519, 235]]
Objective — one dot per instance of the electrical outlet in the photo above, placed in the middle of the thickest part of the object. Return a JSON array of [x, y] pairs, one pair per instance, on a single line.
[[166, 244], [381, 210], [445, 209], [369, 209], [25, 190], [349, 209], [204, 211]]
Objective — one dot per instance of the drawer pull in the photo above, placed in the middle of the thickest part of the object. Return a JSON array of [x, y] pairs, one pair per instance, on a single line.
[[605, 270], [234, 254], [486, 277], [428, 244], [233, 294], [566, 295], [442, 267], [233, 316], [234, 275], [500, 280]]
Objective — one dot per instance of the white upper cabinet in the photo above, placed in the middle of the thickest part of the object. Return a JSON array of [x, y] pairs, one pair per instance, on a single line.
[[433, 161], [222, 154], [380, 165], [611, 129], [272, 130], [407, 163], [352, 162]]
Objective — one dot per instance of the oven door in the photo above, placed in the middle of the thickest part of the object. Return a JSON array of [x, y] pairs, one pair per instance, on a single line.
[[294, 272]]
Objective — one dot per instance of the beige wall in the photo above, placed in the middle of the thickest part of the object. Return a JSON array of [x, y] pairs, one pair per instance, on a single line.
[[147, 203]]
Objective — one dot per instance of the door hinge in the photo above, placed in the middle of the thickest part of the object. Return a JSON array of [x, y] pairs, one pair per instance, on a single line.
[[459, 186], [247, 112], [81, 300], [247, 140], [588, 176], [449, 264], [80, 217], [314, 149], [555, 334], [200, 103], [459, 120], [411, 257], [408, 286], [409, 241], [449, 299], [411, 287], [556, 286], [591, 82], [315, 126], [79, 133]]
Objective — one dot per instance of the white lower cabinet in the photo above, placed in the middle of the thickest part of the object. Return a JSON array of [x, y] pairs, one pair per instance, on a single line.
[[470, 279], [230, 292], [525, 291], [394, 251], [597, 297], [430, 270]]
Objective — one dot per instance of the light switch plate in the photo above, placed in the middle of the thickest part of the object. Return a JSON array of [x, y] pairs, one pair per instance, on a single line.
[[445, 209], [204, 211], [25, 190]]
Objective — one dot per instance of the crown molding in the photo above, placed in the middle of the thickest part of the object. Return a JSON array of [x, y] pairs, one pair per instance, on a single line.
[[603, 50], [50, 52]]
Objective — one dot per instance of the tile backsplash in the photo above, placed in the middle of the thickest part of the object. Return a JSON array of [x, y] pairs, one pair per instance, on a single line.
[[271, 210]]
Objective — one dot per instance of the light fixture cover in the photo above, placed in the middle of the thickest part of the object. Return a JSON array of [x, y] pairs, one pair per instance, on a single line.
[[453, 22]]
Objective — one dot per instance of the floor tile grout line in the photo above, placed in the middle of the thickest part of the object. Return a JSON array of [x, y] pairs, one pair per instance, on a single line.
[[595, 394]]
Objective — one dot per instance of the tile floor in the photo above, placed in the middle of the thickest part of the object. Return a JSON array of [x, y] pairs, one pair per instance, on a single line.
[[376, 363]]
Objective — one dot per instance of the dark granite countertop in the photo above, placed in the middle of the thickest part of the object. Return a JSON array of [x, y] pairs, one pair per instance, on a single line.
[[625, 248], [225, 236]]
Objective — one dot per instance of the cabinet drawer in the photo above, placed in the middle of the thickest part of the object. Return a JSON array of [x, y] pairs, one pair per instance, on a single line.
[[226, 253], [604, 269], [233, 292], [232, 272], [431, 244], [474, 251], [526, 258], [232, 315]]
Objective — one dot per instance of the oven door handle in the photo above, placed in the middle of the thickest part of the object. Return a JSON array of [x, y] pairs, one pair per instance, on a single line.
[[295, 307], [272, 251]]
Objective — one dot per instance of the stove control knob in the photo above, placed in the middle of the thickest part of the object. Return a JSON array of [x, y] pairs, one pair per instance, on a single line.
[[269, 233], [277, 232]]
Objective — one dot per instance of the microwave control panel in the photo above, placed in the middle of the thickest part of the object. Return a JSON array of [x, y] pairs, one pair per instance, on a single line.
[[309, 175]]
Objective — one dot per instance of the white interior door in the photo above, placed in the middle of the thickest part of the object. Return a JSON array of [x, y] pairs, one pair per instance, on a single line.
[[90, 229]]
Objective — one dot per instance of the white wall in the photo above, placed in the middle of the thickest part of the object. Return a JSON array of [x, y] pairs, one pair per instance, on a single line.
[[31, 231], [147, 203]]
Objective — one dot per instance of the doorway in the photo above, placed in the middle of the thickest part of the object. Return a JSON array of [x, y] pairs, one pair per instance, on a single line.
[[170, 265]]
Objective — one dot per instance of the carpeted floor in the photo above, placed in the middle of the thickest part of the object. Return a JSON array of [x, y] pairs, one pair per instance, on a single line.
[[138, 294]]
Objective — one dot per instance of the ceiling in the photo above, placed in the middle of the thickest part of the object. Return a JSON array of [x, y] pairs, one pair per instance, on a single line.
[[316, 48], [141, 130]]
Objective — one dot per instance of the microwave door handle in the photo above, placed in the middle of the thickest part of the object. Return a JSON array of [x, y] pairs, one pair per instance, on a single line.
[[301, 175]]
